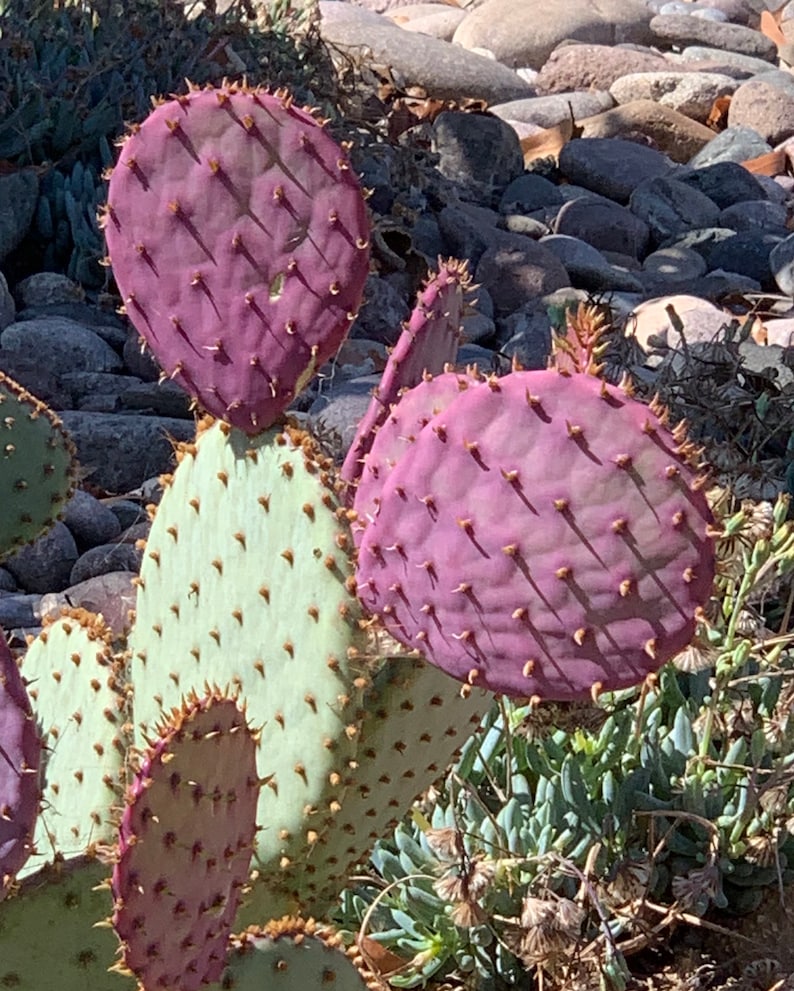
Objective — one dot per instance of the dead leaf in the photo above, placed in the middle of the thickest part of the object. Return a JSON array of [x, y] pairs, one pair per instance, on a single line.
[[772, 163], [547, 143], [717, 119], [770, 26], [381, 960]]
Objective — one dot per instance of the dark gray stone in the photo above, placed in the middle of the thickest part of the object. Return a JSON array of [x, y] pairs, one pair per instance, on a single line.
[[68, 345], [587, 267], [605, 225], [161, 398], [90, 522], [382, 313], [724, 182], [19, 610], [748, 254], [781, 260], [516, 269], [670, 208], [105, 559], [755, 214], [19, 193], [734, 144], [46, 564], [529, 192], [481, 155], [611, 166]]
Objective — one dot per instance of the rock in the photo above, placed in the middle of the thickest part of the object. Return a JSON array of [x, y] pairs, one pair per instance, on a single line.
[[593, 67], [652, 328], [127, 511], [674, 264], [725, 183], [35, 378], [110, 595], [689, 93], [529, 192], [337, 413], [7, 305], [139, 360], [671, 132], [105, 559], [481, 155], [678, 29], [19, 610], [611, 167], [734, 144], [767, 109], [382, 313], [548, 111], [46, 289], [515, 269], [19, 193], [747, 65], [68, 345], [119, 451], [84, 387], [587, 267], [160, 398], [435, 19], [781, 260], [468, 230], [780, 332], [502, 27], [605, 225], [445, 71], [45, 565], [670, 207], [89, 521], [746, 253], [756, 214]]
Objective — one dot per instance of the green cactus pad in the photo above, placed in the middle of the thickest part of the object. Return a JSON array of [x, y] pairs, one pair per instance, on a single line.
[[72, 679], [292, 955], [49, 937], [244, 584], [37, 469], [413, 721]]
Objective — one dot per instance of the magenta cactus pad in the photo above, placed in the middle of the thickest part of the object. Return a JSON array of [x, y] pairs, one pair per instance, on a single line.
[[20, 747], [185, 844], [239, 240], [544, 535]]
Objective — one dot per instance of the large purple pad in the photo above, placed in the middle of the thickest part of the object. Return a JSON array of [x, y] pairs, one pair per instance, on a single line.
[[543, 535], [239, 240]]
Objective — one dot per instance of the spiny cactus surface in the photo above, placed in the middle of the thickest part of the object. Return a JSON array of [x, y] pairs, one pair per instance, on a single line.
[[76, 690], [543, 535], [238, 237], [37, 470], [428, 342], [185, 843], [19, 770], [293, 955]]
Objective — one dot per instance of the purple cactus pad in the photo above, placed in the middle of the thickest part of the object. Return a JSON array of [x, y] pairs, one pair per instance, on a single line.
[[20, 748], [545, 535], [239, 240], [185, 844]]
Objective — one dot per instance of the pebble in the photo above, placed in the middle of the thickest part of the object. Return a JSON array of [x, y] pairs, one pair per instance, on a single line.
[[647, 201]]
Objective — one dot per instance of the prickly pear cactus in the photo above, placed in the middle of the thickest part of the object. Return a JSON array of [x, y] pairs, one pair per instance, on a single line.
[[76, 687], [239, 241], [37, 468], [20, 748], [185, 843], [428, 342], [543, 535], [294, 955]]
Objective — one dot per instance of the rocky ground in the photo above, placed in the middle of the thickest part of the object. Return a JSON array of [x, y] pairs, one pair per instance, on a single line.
[[634, 152]]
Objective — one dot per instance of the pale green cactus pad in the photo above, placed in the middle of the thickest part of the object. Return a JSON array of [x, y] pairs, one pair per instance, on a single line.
[[37, 468], [49, 938], [292, 955], [243, 584], [75, 687]]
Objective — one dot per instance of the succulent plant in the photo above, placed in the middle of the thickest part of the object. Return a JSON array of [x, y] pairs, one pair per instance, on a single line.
[[37, 468], [241, 262], [543, 535]]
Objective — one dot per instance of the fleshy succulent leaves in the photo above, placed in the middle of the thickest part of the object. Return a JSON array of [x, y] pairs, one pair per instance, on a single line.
[[51, 937], [20, 749], [545, 535], [245, 583], [239, 241], [428, 343], [397, 432], [185, 844], [77, 695], [37, 469], [294, 955]]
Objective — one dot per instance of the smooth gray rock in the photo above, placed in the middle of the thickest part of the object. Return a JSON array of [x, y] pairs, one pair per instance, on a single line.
[[19, 610], [119, 451], [85, 386], [678, 29], [755, 215], [91, 523], [605, 225], [587, 267], [105, 559], [382, 313], [748, 254], [670, 207], [734, 144], [611, 166], [548, 111], [481, 155], [161, 398], [725, 183], [690, 93], [46, 289], [516, 269], [529, 192], [747, 65], [46, 564], [68, 345], [781, 261], [674, 264], [445, 71], [468, 230], [767, 108], [7, 305]]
